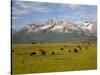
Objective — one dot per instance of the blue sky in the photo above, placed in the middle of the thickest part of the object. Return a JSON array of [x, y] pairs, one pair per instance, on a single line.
[[26, 12]]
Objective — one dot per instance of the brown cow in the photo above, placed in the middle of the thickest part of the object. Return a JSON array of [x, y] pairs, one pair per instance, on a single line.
[[42, 52], [79, 47]]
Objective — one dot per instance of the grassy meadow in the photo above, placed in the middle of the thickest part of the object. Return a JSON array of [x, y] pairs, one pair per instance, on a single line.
[[62, 60]]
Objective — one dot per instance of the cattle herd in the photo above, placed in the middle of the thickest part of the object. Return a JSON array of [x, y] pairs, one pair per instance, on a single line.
[[42, 52], [73, 50]]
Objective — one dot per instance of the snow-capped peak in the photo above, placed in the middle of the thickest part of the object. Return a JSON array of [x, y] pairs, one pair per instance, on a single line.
[[87, 26], [61, 26]]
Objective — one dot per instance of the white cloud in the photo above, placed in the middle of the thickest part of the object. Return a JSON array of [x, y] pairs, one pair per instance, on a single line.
[[79, 12], [71, 6], [18, 12], [33, 6], [80, 16], [20, 8]]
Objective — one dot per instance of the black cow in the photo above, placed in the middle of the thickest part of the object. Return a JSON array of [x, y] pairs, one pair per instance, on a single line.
[[86, 47], [33, 42], [61, 48], [75, 50], [33, 53], [89, 43], [53, 53], [69, 51]]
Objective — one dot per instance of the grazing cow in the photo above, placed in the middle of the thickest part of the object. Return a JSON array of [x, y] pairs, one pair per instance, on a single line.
[[33, 53], [89, 43], [42, 52], [33, 43], [53, 53], [75, 50], [86, 47], [61, 48], [69, 51], [79, 47]]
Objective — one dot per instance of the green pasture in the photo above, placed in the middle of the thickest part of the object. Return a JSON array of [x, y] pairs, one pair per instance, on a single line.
[[63, 60]]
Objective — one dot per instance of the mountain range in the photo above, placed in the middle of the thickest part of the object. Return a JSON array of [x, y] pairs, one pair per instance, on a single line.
[[55, 31]]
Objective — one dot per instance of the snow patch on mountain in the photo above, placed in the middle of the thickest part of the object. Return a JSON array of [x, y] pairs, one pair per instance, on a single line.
[[45, 27]]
